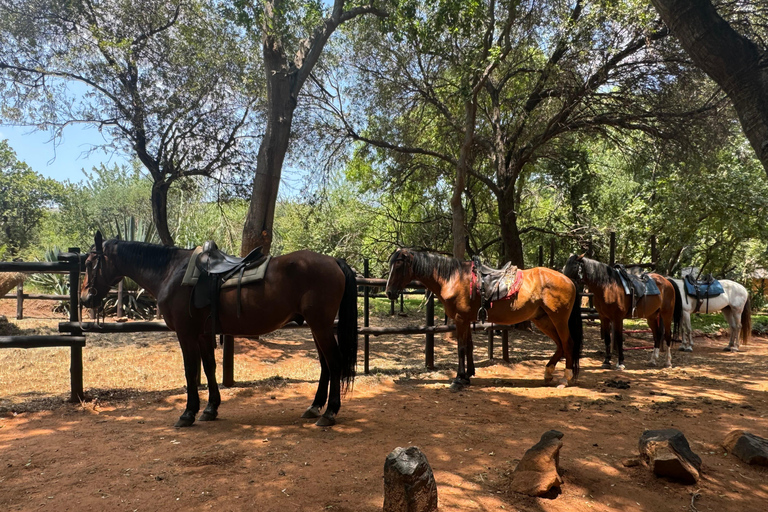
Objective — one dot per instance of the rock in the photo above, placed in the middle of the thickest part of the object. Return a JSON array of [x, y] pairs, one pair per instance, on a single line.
[[748, 447], [538, 472], [409, 485], [669, 454]]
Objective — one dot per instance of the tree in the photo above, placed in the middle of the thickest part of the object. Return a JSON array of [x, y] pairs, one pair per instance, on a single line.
[[734, 61], [271, 21], [572, 70], [25, 197], [162, 79]]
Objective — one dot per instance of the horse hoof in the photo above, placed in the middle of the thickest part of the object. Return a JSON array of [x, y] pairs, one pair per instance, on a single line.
[[682, 349], [208, 416], [311, 412], [619, 367], [688, 349], [650, 363], [184, 422], [606, 366], [456, 386], [326, 421]]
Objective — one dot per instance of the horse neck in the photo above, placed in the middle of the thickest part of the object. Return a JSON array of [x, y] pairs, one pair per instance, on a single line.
[[432, 280], [131, 259], [590, 279]]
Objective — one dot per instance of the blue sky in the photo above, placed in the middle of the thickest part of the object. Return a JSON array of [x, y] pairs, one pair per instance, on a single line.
[[60, 162]]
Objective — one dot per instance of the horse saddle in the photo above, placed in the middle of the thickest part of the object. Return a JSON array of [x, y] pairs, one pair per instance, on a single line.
[[494, 284], [702, 288], [210, 269], [638, 286]]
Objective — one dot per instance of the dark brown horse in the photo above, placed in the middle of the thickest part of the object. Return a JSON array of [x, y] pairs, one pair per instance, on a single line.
[[546, 297], [614, 305], [299, 284]]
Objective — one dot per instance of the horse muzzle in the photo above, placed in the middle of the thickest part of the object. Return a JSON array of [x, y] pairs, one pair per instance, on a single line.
[[391, 294], [88, 301]]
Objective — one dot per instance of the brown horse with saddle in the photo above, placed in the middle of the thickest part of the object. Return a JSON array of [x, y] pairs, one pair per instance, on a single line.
[[301, 285], [618, 295], [541, 295]]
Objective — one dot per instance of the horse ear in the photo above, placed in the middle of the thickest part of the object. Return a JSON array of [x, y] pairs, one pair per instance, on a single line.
[[98, 241], [581, 257]]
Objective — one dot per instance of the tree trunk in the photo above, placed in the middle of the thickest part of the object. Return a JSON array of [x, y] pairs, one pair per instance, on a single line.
[[510, 234], [459, 216], [281, 101], [730, 59], [160, 210]]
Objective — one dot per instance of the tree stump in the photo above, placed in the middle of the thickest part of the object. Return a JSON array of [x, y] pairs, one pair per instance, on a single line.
[[669, 455], [748, 447], [409, 485], [538, 472]]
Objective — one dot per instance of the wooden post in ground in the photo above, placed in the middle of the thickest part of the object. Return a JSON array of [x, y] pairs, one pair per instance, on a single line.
[[20, 301], [120, 298], [228, 360], [541, 255], [505, 345], [76, 359], [367, 317], [552, 253], [654, 254], [612, 256], [490, 343], [429, 347]]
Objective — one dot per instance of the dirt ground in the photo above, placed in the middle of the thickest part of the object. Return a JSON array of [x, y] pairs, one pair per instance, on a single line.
[[119, 450]]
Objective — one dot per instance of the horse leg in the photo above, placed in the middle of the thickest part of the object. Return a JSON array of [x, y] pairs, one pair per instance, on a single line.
[[653, 324], [605, 333], [462, 334], [191, 356], [687, 332], [734, 323], [322, 390], [331, 355], [666, 334], [209, 366], [470, 356], [545, 325], [618, 339]]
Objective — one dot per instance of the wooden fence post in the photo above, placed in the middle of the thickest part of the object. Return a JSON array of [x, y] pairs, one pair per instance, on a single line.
[[228, 360], [429, 348], [76, 356], [612, 256], [541, 255], [490, 343], [505, 345], [552, 253], [20, 301], [366, 317], [120, 298]]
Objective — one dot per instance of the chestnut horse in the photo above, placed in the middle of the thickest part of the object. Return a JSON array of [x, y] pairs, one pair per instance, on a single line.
[[614, 305], [546, 297], [300, 284]]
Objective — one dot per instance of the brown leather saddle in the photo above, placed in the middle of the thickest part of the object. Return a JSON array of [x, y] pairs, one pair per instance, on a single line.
[[493, 284], [215, 268]]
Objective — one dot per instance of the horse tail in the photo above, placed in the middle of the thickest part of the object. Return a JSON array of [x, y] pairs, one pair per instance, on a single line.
[[576, 331], [346, 330], [746, 322], [678, 312]]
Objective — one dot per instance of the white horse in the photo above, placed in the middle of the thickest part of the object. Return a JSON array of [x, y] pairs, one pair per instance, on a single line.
[[734, 304]]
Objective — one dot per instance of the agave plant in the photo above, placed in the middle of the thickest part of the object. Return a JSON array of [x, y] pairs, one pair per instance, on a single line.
[[54, 284]]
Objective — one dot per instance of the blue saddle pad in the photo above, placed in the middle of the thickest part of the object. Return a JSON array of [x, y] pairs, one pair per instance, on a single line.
[[703, 289], [643, 285]]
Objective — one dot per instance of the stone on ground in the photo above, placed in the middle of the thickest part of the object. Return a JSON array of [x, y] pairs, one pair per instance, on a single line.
[[748, 447], [538, 472], [409, 485], [669, 455]]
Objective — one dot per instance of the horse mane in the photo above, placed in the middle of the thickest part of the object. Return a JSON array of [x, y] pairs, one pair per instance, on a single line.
[[152, 257], [427, 263], [599, 273]]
